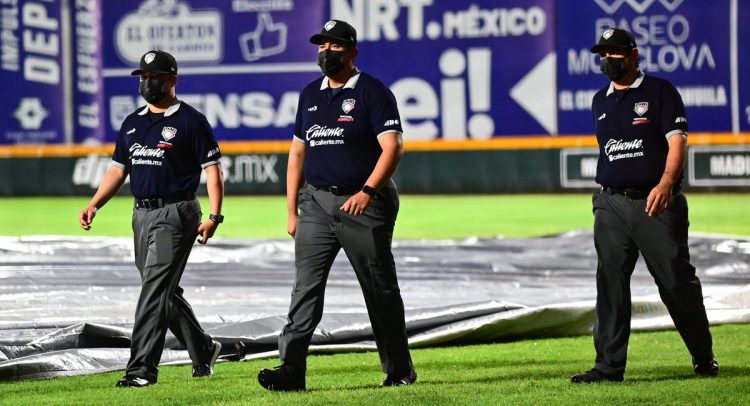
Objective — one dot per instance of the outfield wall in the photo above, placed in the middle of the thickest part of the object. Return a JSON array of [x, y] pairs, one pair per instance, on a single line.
[[507, 165]]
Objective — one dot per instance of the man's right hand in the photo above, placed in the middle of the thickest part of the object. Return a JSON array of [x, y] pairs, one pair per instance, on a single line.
[[291, 225], [86, 217]]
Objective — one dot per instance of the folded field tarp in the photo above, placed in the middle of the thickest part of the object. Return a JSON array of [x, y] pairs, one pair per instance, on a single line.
[[66, 304]]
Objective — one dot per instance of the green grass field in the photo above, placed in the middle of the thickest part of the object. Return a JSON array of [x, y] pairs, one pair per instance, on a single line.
[[432, 217], [525, 372]]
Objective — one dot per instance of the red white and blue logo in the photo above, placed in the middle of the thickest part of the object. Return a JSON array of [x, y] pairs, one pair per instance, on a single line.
[[168, 133]]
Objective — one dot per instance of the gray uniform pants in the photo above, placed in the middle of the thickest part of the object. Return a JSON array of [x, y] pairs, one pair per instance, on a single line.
[[622, 228], [322, 231], [163, 240]]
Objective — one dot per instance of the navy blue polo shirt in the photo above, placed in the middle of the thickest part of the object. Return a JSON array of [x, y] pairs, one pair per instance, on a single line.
[[632, 129], [164, 154], [340, 131]]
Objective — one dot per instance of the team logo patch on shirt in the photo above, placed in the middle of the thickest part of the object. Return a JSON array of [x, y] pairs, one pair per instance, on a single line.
[[168, 133], [641, 108], [348, 105]]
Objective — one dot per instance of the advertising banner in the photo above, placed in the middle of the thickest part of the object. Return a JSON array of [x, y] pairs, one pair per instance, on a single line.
[[684, 41], [458, 70], [461, 70], [742, 63], [87, 83], [241, 62], [31, 72]]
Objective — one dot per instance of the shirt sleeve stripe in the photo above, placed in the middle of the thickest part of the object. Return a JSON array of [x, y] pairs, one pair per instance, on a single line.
[[209, 163], [117, 164], [298, 139], [675, 132], [389, 131]]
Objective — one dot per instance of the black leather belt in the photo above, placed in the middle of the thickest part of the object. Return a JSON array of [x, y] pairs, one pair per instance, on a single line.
[[338, 191], [634, 194], [158, 203]]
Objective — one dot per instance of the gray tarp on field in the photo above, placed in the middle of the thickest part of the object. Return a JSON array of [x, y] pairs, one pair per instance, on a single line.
[[67, 304]]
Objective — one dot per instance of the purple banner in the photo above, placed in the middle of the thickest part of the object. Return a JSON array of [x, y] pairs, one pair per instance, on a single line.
[[684, 41], [31, 72], [461, 70], [242, 62], [88, 84], [743, 60]]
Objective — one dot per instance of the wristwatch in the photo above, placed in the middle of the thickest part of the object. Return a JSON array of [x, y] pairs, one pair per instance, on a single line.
[[369, 190], [216, 219]]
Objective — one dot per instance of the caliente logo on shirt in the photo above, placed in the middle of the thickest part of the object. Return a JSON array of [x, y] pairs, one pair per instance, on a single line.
[[318, 135], [619, 149]]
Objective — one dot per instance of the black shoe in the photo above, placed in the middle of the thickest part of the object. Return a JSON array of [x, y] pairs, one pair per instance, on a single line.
[[399, 380], [282, 378], [710, 368], [595, 375], [204, 370], [130, 381]]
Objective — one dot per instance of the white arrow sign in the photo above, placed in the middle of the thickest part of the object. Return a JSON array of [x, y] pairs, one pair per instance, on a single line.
[[536, 92]]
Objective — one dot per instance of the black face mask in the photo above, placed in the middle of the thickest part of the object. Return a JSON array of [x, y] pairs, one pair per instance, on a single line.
[[614, 68], [152, 90], [331, 62]]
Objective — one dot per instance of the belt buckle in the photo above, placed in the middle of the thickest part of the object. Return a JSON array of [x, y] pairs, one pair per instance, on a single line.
[[334, 190], [632, 193]]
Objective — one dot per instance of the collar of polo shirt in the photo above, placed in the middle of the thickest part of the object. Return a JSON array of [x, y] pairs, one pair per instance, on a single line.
[[635, 84], [171, 110], [349, 83]]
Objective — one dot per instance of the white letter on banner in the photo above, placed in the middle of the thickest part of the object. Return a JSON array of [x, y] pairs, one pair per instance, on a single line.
[[416, 16], [35, 15], [417, 101], [354, 15], [37, 43], [41, 70], [382, 15], [258, 109]]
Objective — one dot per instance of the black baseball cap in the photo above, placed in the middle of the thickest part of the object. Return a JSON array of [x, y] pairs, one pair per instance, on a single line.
[[615, 37], [157, 62], [336, 31]]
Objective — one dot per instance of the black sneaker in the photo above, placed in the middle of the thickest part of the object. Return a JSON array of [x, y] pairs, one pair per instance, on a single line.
[[595, 375], [204, 370], [285, 378], [708, 369], [399, 380], [130, 381]]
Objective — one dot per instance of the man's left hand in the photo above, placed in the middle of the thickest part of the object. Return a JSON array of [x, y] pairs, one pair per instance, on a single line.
[[206, 230], [357, 204], [658, 200]]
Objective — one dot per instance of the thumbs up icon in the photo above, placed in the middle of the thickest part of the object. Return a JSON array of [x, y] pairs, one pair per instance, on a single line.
[[267, 39]]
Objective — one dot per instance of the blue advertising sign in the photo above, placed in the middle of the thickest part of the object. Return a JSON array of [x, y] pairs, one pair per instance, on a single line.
[[31, 71], [244, 62], [87, 80], [241, 62], [741, 71], [683, 41], [461, 70]]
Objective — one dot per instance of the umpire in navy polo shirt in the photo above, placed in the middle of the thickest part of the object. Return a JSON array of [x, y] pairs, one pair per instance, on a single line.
[[163, 147], [641, 127], [347, 145]]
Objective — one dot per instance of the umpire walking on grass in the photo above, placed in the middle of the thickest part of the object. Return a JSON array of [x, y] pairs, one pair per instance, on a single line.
[[163, 148], [347, 144], [641, 128]]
